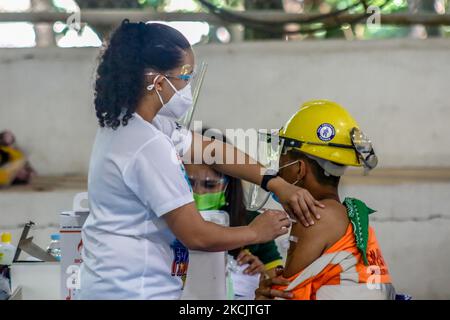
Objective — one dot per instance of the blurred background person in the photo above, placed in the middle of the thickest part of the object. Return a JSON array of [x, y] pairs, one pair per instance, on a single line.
[[216, 191]]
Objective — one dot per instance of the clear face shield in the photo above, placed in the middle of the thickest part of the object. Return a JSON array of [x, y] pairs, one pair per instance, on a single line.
[[194, 79], [196, 84], [269, 149]]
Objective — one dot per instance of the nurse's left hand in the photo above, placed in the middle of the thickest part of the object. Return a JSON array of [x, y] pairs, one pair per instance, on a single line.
[[298, 202], [255, 265]]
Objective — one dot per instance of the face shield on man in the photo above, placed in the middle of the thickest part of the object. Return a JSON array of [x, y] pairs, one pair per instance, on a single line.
[[269, 149]]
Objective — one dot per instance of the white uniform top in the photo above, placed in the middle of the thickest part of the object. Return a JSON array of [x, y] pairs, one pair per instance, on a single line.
[[180, 136], [135, 177]]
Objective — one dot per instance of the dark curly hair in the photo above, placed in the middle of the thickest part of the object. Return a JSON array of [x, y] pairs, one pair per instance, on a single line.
[[133, 47]]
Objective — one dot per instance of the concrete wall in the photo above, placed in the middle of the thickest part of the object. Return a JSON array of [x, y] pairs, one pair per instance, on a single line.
[[397, 90], [412, 224]]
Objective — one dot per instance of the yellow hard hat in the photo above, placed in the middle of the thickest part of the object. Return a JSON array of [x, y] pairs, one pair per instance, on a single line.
[[324, 129]]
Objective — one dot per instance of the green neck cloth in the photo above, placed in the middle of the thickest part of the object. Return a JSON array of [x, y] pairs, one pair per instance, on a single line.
[[358, 213]]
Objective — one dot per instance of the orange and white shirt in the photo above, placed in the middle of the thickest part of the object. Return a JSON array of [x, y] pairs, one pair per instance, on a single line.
[[340, 273]]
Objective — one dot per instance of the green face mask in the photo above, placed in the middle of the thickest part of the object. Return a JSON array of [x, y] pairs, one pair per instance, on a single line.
[[210, 201]]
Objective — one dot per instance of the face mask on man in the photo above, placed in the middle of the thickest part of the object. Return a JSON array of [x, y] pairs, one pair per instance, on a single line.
[[178, 104], [273, 195]]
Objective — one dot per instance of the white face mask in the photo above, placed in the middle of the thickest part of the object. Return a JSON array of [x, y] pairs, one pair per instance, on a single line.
[[179, 104]]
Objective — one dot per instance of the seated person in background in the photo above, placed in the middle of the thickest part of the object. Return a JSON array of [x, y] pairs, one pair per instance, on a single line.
[[14, 167], [215, 191], [338, 257]]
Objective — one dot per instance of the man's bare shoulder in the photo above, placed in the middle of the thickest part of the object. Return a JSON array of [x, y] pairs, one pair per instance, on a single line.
[[312, 241], [330, 227]]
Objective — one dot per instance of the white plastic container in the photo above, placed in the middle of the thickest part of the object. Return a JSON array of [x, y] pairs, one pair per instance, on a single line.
[[7, 250], [71, 245], [206, 276]]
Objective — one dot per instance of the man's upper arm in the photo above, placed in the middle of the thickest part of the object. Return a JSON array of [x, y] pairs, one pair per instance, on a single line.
[[310, 245]]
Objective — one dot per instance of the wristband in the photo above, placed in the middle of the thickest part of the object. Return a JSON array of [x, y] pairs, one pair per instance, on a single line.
[[266, 178]]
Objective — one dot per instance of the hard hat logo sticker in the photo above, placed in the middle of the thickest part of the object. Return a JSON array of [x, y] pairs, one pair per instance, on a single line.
[[326, 132]]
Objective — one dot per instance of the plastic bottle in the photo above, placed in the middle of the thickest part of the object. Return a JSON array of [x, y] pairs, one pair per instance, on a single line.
[[7, 250], [55, 248]]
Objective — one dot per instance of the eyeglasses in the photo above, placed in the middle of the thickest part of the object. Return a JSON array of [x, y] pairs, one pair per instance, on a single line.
[[185, 75], [208, 183]]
